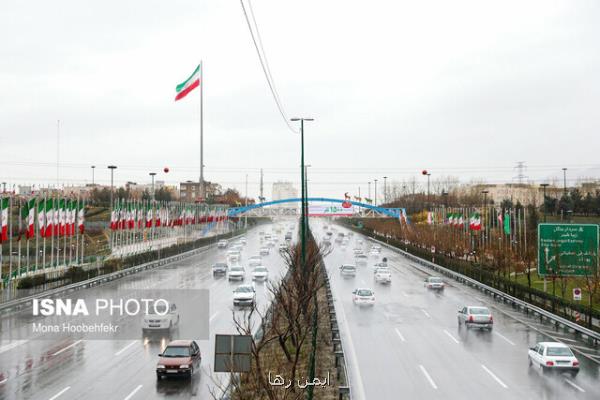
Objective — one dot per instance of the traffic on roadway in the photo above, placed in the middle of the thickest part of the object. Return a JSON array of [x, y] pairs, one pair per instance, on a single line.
[[81, 368], [421, 335]]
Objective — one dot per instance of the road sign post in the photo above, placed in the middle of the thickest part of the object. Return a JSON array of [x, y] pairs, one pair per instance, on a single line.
[[567, 249], [577, 294]]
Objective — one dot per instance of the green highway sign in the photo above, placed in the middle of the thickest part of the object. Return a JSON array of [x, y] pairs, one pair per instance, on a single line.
[[567, 249]]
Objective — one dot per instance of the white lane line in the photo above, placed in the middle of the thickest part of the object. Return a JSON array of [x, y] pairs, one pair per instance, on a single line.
[[451, 337], [431, 382], [130, 395], [494, 376], [125, 348], [574, 385], [213, 316], [504, 337], [12, 345], [68, 347], [426, 313], [59, 393], [400, 335]]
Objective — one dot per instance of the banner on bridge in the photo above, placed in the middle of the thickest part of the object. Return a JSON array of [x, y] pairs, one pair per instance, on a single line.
[[326, 210]]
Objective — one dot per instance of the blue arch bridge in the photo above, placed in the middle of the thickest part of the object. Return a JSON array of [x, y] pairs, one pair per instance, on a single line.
[[318, 207]]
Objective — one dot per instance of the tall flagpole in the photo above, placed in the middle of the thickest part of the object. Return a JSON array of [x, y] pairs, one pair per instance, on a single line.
[[202, 193]]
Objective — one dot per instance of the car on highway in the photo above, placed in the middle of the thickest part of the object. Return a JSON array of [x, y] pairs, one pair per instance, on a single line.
[[243, 240], [264, 251], [475, 317], [383, 275], [179, 358], [434, 283], [254, 261], [381, 264], [288, 236], [348, 270], [222, 244], [244, 295], [237, 273], [283, 247], [363, 296], [160, 318], [357, 251], [553, 357], [260, 273], [361, 259], [219, 268]]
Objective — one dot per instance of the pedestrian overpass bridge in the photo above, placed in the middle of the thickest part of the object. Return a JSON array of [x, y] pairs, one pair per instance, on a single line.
[[318, 206]]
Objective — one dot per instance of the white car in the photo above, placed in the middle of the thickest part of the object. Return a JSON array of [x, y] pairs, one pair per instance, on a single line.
[[434, 283], [160, 318], [264, 251], [237, 273], [383, 275], [363, 296], [254, 261], [475, 317], [553, 357], [348, 270], [260, 273], [360, 259], [244, 295], [222, 244], [378, 265], [374, 253]]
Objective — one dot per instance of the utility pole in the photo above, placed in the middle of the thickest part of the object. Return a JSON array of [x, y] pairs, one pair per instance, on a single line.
[[375, 180], [544, 186], [369, 189], [93, 169], [261, 198], [565, 181], [112, 170]]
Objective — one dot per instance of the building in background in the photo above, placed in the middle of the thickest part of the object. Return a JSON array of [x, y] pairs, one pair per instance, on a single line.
[[284, 190]]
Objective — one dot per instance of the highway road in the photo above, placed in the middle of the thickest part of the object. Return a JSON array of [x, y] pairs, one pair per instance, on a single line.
[[408, 345], [125, 369]]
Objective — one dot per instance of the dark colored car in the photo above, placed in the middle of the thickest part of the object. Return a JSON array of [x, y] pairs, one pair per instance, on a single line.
[[179, 358], [219, 268]]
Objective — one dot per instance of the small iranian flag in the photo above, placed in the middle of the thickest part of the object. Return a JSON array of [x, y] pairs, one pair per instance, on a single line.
[[81, 218], [158, 215], [475, 222], [4, 219], [61, 217], [190, 84], [149, 218], [49, 218], [29, 213], [42, 218], [56, 222]]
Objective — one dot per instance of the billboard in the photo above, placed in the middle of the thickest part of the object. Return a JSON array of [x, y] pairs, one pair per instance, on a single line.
[[567, 249], [326, 210]]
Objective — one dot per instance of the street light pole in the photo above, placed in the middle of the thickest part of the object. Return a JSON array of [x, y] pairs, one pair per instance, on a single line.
[[112, 170], [369, 189], [153, 174], [303, 221], [93, 169], [565, 181], [544, 186]]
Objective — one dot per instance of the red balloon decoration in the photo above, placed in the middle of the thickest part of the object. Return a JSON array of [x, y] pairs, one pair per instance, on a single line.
[[346, 204], [424, 172], [166, 169]]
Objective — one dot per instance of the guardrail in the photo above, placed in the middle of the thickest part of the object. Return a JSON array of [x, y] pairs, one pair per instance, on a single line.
[[24, 302], [497, 294], [344, 390]]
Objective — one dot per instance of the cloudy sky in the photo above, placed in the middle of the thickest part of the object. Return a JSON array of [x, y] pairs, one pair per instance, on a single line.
[[460, 88]]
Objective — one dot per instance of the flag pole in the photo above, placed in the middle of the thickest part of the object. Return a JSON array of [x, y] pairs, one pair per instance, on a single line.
[[10, 238], [202, 194]]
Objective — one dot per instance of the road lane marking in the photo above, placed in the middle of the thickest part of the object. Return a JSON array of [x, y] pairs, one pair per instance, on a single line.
[[126, 347], [130, 395], [494, 376], [431, 382], [12, 345], [426, 313], [451, 337], [59, 393], [504, 337], [68, 347], [213, 316], [574, 385], [400, 335]]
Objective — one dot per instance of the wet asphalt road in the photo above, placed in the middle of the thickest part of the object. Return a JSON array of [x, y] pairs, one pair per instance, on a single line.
[[125, 369], [408, 345]]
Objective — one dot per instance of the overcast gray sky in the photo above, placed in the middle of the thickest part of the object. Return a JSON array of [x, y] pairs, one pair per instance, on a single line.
[[463, 88]]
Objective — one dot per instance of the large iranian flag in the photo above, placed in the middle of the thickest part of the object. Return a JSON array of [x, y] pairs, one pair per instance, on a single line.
[[49, 218], [28, 212], [81, 217], [42, 218], [188, 85]]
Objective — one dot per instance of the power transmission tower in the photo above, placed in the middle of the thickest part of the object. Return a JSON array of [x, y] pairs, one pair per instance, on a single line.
[[521, 168]]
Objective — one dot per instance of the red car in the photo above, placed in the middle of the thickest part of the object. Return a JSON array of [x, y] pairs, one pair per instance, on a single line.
[[179, 358]]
